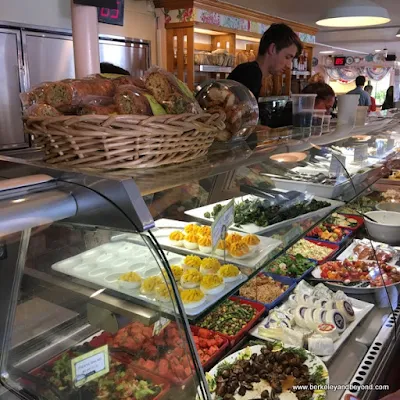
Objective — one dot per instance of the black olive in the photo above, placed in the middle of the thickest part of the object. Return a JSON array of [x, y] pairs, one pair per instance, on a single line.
[[296, 372], [253, 357], [275, 384], [248, 385], [279, 369], [269, 368], [228, 397], [265, 394], [237, 370], [282, 377], [225, 375], [264, 375], [288, 370], [242, 391], [261, 359], [221, 390], [256, 379], [242, 377]]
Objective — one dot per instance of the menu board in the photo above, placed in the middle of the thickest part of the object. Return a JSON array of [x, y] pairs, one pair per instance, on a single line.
[[112, 16]]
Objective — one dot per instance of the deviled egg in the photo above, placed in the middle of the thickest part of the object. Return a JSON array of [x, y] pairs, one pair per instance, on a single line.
[[176, 238], [191, 278], [130, 280], [191, 241], [149, 284], [209, 266], [177, 271], [192, 298], [205, 244], [222, 248], [251, 240], [192, 228], [212, 284], [192, 262], [204, 230], [163, 292], [229, 272], [239, 249], [233, 238]]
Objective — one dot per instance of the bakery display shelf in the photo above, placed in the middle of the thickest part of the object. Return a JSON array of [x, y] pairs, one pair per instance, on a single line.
[[213, 68]]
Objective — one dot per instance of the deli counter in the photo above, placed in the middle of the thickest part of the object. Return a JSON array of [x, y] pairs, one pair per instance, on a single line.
[[114, 285]]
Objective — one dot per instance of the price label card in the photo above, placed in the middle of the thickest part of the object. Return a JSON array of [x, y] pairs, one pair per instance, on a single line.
[[361, 153], [90, 366], [390, 144], [161, 324], [224, 220], [381, 146], [337, 163]]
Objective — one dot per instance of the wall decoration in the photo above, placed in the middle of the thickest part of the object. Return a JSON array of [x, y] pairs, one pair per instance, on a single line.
[[349, 60], [357, 60], [315, 61], [377, 74], [369, 58], [224, 21]]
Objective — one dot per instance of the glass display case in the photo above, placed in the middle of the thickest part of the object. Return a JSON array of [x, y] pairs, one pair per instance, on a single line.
[[113, 286]]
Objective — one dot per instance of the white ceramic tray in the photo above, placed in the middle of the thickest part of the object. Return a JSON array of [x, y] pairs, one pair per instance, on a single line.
[[198, 213], [254, 260], [349, 254], [312, 362], [104, 264], [361, 309]]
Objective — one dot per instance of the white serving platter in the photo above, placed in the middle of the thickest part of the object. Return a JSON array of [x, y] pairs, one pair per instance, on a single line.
[[164, 227], [198, 214], [313, 362], [361, 309], [104, 264]]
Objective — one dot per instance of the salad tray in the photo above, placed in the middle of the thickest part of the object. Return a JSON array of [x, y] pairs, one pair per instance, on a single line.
[[198, 214]]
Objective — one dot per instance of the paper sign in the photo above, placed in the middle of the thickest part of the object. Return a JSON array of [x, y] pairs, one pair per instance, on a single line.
[[161, 324], [380, 148], [90, 366], [390, 144], [361, 153], [337, 163], [222, 222]]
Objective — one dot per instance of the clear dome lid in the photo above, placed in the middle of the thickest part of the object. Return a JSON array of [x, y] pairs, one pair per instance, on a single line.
[[236, 101]]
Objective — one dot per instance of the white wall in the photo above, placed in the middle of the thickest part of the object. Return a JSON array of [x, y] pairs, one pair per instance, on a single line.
[[139, 23]]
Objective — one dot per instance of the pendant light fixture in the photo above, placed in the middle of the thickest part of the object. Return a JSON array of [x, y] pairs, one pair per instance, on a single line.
[[355, 13]]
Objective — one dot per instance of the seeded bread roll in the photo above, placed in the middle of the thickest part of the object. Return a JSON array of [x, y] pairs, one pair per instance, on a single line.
[[98, 109], [129, 80], [131, 100], [41, 110], [73, 92]]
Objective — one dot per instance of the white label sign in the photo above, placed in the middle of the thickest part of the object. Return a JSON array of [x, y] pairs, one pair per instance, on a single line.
[[223, 221], [361, 153]]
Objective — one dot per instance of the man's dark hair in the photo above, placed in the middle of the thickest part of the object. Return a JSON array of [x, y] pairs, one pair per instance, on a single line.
[[282, 36], [108, 68], [360, 81], [322, 90], [368, 88]]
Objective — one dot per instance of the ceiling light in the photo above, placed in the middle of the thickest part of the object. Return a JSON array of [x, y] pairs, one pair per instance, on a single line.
[[377, 51], [207, 32], [355, 13], [327, 52], [248, 38], [398, 33]]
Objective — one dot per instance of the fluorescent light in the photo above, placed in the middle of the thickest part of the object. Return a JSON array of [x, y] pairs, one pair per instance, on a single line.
[[398, 33], [327, 52], [355, 13], [207, 32], [248, 38], [377, 51]]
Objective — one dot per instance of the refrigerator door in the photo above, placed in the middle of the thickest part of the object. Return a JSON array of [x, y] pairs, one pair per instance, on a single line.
[[50, 57], [134, 56], [11, 126]]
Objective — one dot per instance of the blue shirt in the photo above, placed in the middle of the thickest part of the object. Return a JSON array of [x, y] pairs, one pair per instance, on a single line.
[[365, 98]]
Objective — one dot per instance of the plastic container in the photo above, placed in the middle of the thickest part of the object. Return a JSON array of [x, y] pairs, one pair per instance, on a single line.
[[361, 115], [297, 278], [340, 243], [327, 123], [303, 107], [359, 219], [317, 122], [260, 310], [238, 103], [335, 248], [347, 106], [291, 282]]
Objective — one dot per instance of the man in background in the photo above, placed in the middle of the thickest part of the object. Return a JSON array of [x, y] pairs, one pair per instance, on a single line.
[[108, 68], [365, 98], [278, 46]]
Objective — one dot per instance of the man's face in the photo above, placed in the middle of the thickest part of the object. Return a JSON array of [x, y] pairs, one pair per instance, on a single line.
[[326, 104], [280, 60]]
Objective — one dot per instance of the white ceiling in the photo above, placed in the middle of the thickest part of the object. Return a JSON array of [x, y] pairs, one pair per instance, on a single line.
[[310, 11]]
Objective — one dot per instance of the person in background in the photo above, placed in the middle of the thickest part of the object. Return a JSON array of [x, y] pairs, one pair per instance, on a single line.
[[369, 89], [325, 99], [278, 46], [365, 99], [389, 99], [108, 68]]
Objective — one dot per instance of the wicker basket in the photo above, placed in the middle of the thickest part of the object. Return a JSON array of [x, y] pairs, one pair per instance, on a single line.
[[124, 141]]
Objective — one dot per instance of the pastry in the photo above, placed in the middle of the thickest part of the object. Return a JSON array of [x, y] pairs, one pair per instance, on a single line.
[[41, 111], [212, 284], [131, 100], [97, 109]]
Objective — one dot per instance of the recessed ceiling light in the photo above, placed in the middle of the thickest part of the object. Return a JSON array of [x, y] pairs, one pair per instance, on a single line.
[[355, 13], [327, 52]]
